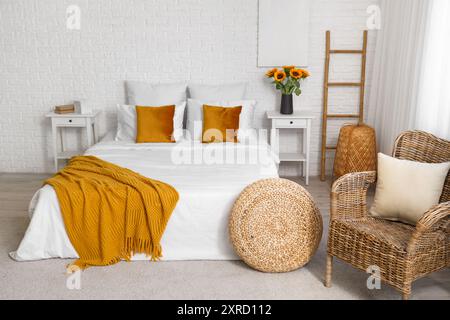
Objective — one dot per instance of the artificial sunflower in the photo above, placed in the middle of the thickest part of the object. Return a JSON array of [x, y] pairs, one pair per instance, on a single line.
[[296, 73], [288, 68], [280, 76], [305, 74], [288, 79], [271, 73]]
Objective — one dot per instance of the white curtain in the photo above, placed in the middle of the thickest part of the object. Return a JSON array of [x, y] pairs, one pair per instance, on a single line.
[[394, 98], [433, 112]]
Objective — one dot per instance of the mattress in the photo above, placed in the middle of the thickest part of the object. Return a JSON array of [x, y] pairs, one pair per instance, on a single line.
[[208, 178]]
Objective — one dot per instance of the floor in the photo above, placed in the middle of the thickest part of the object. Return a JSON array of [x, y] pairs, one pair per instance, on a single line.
[[179, 280]]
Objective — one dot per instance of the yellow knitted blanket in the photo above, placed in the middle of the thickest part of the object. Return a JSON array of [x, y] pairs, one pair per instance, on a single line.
[[111, 213]]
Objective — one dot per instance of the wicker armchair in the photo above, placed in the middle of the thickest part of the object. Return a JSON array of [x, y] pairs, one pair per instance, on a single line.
[[403, 253]]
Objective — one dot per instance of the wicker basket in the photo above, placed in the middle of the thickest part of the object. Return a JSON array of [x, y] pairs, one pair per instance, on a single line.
[[356, 150], [275, 226]]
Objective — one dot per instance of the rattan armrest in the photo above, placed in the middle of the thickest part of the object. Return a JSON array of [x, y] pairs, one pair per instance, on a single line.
[[431, 227], [349, 195], [435, 217]]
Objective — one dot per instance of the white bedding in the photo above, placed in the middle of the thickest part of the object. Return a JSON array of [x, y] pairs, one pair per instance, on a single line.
[[198, 227]]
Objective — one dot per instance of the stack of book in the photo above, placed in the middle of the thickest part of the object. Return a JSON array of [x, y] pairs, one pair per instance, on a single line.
[[65, 109]]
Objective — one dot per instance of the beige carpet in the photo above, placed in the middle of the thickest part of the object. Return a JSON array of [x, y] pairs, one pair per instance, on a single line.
[[179, 280]]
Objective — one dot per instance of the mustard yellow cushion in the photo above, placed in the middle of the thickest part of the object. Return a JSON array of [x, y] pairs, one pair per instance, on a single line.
[[154, 124], [220, 124]]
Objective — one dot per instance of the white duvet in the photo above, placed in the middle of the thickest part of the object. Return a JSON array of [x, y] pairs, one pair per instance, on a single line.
[[198, 227]]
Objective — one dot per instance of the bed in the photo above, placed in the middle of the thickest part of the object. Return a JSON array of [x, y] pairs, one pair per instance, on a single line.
[[198, 227]]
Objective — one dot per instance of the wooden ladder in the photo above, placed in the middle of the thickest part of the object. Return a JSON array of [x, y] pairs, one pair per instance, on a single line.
[[328, 84]]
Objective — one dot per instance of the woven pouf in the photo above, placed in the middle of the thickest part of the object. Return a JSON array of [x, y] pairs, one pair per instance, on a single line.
[[275, 226]]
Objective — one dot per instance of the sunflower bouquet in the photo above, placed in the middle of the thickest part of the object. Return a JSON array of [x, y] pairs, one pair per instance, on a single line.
[[287, 80]]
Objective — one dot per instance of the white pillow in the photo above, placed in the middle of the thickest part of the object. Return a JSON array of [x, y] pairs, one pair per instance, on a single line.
[[227, 91], [127, 122], [195, 115], [146, 94], [407, 189]]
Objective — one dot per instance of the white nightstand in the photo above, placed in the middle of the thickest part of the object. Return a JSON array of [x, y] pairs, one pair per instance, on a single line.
[[298, 121], [72, 120]]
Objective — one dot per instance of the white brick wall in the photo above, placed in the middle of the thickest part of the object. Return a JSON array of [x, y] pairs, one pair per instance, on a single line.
[[43, 64]]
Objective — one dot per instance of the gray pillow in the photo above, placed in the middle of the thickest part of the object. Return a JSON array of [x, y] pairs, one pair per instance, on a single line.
[[147, 94], [227, 91]]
